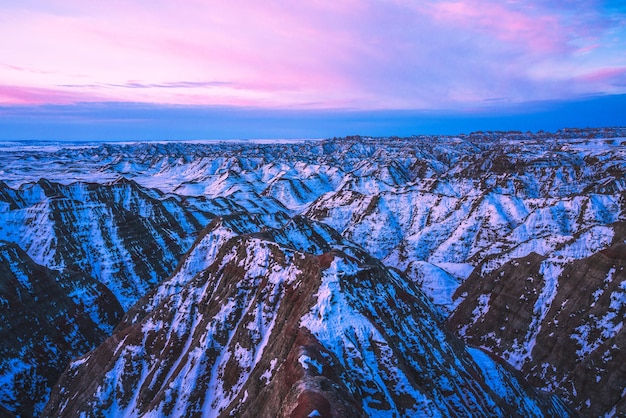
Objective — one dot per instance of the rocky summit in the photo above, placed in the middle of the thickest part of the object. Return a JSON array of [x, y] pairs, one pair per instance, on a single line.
[[474, 275]]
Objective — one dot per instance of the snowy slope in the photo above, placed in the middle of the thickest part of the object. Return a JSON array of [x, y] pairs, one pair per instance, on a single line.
[[127, 237], [559, 321], [47, 319], [266, 330]]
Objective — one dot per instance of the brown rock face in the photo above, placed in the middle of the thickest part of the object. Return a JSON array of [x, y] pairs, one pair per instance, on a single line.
[[295, 391], [502, 300], [559, 322], [232, 334]]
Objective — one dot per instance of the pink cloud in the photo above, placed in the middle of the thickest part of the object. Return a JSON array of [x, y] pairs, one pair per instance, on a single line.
[[349, 53], [605, 75], [36, 95], [257, 53], [535, 30]]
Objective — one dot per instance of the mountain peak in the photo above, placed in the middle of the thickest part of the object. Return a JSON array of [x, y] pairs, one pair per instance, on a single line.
[[266, 330]]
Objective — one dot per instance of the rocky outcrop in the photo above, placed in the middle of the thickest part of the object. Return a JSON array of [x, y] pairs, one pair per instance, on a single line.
[[432, 207], [97, 249], [559, 321]]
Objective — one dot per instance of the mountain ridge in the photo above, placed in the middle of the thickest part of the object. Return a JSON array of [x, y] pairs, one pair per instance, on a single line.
[[228, 313], [439, 212]]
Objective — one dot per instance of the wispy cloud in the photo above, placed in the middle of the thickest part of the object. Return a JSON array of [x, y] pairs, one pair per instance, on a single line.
[[605, 78], [36, 95], [136, 121], [324, 53], [164, 85]]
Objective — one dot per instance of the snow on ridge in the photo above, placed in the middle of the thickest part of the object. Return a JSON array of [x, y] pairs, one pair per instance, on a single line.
[[338, 326], [521, 351]]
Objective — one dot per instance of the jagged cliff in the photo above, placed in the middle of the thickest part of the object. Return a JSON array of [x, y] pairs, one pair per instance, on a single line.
[[558, 320]]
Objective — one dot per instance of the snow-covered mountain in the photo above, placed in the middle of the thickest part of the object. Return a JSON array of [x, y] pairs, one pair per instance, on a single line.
[[557, 320], [256, 328], [47, 319], [445, 217]]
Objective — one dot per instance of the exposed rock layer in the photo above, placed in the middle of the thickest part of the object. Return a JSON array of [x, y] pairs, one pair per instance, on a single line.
[[433, 207], [265, 330], [559, 321]]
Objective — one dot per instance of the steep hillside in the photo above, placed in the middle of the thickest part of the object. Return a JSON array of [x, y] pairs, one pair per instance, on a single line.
[[260, 329], [560, 321], [93, 250], [456, 217], [447, 201], [46, 319], [126, 236]]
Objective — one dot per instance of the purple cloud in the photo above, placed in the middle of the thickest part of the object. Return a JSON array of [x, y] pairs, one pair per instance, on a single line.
[[456, 54]]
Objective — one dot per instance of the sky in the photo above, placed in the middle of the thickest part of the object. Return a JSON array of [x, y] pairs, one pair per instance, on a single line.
[[194, 69]]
